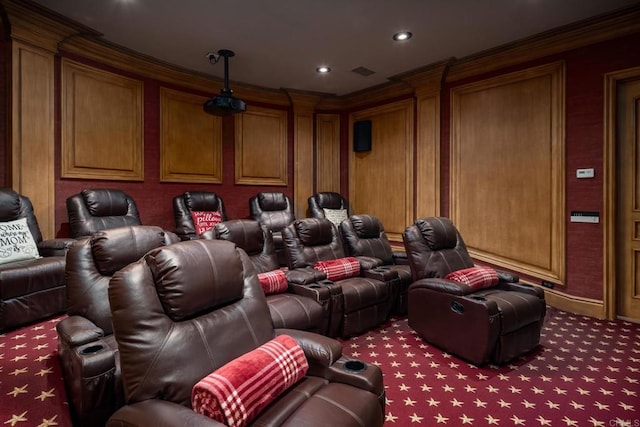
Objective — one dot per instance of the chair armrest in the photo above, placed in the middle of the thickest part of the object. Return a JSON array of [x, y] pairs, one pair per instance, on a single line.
[[505, 276], [55, 247], [304, 276], [442, 285], [369, 377], [382, 273], [77, 330], [522, 287], [368, 262], [320, 350], [158, 412], [314, 291], [400, 258]]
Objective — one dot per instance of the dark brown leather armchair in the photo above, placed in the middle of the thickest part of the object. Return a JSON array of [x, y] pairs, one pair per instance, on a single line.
[[275, 211], [86, 346], [100, 209], [359, 303], [327, 200], [490, 325], [185, 310], [305, 305], [194, 201], [31, 289], [364, 236]]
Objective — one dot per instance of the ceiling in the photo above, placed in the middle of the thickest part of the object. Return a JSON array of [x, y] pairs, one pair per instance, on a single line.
[[280, 43]]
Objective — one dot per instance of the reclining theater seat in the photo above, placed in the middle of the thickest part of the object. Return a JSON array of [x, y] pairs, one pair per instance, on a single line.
[[364, 236], [364, 301], [489, 325], [86, 346], [187, 310], [100, 209], [275, 211], [198, 204], [330, 205], [302, 305], [32, 285]]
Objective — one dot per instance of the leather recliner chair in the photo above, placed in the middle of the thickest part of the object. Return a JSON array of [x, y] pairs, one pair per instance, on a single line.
[[305, 304], [31, 289], [100, 209], [194, 201], [86, 346], [489, 325], [185, 310], [359, 303], [275, 211], [327, 200], [364, 236]]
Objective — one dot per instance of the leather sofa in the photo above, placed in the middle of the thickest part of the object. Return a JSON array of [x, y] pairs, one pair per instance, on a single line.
[[364, 236], [275, 211], [487, 325], [358, 303], [100, 209], [194, 201], [30, 289], [87, 349], [185, 310]]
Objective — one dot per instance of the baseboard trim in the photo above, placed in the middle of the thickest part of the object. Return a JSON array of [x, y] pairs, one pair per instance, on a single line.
[[572, 304]]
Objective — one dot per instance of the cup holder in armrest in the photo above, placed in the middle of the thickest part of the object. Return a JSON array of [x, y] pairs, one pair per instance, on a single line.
[[92, 349], [478, 297], [314, 286], [355, 366], [326, 282], [383, 268]]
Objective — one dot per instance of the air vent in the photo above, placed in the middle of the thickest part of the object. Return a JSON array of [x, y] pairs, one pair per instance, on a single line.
[[363, 71]]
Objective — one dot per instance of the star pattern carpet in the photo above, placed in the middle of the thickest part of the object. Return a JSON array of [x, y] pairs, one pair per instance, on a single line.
[[586, 372]]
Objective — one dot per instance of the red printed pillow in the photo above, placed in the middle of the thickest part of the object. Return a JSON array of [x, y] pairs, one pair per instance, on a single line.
[[273, 282], [238, 391], [338, 269], [475, 277], [205, 220]]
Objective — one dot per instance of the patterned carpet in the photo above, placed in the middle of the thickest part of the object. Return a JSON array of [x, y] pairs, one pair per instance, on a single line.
[[585, 373]]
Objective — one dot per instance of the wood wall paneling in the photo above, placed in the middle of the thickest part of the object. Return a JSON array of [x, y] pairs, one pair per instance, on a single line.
[[261, 147], [381, 180], [428, 156], [328, 152], [190, 139], [102, 130], [507, 170]]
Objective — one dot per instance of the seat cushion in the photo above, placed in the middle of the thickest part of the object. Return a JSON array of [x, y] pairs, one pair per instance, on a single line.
[[360, 292], [295, 312], [30, 276]]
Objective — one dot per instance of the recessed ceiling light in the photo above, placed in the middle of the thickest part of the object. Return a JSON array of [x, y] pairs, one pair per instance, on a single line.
[[323, 70], [403, 35]]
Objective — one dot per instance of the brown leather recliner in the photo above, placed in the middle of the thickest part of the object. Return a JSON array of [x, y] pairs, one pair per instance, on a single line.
[[194, 201], [86, 346], [32, 289], [306, 304], [327, 200], [275, 211], [490, 325], [361, 303], [100, 209], [364, 235], [185, 310]]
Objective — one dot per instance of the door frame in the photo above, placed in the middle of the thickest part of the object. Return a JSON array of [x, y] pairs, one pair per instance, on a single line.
[[611, 81]]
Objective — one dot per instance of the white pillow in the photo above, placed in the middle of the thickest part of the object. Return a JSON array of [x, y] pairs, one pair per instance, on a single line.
[[336, 216], [16, 242]]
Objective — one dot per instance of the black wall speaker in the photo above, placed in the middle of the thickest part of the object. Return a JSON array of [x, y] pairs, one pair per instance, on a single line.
[[362, 136]]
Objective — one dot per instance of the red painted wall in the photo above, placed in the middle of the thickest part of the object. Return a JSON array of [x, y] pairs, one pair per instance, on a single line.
[[585, 69]]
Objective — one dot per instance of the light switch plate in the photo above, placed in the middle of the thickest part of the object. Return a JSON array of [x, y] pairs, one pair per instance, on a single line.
[[585, 216], [585, 173]]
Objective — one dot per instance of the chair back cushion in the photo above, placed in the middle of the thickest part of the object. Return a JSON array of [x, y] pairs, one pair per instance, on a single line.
[[364, 235], [326, 200], [100, 209], [253, 238], [310, 240], [273, 209], [15, 206], [195, 201]]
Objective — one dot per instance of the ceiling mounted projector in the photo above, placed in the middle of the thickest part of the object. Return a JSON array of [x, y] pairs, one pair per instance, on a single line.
[[224, 104]]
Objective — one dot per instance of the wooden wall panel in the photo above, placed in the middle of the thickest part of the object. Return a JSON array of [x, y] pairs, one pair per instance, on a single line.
[[328, 152], [507, 170], [261, 147], [428, 156], [381, 180], [102, 131], [190, 139]]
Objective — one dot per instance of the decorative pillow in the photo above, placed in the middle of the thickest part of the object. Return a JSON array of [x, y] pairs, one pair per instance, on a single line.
[[475, 277], [16, 242], [336, 216], [238, 391], [340, 268], [273, 282], [205, 220]]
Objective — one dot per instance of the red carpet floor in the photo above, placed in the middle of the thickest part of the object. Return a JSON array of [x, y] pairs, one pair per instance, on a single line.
[[585, 373]]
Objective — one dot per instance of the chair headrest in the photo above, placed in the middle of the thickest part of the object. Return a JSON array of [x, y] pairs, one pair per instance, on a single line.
[[366, 226], [246, 234], [329, 200], [273, 201], [314, 231], [201, 201], [116, 248], [195, 276], [9, 204], [438, 232], [106, 202]]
